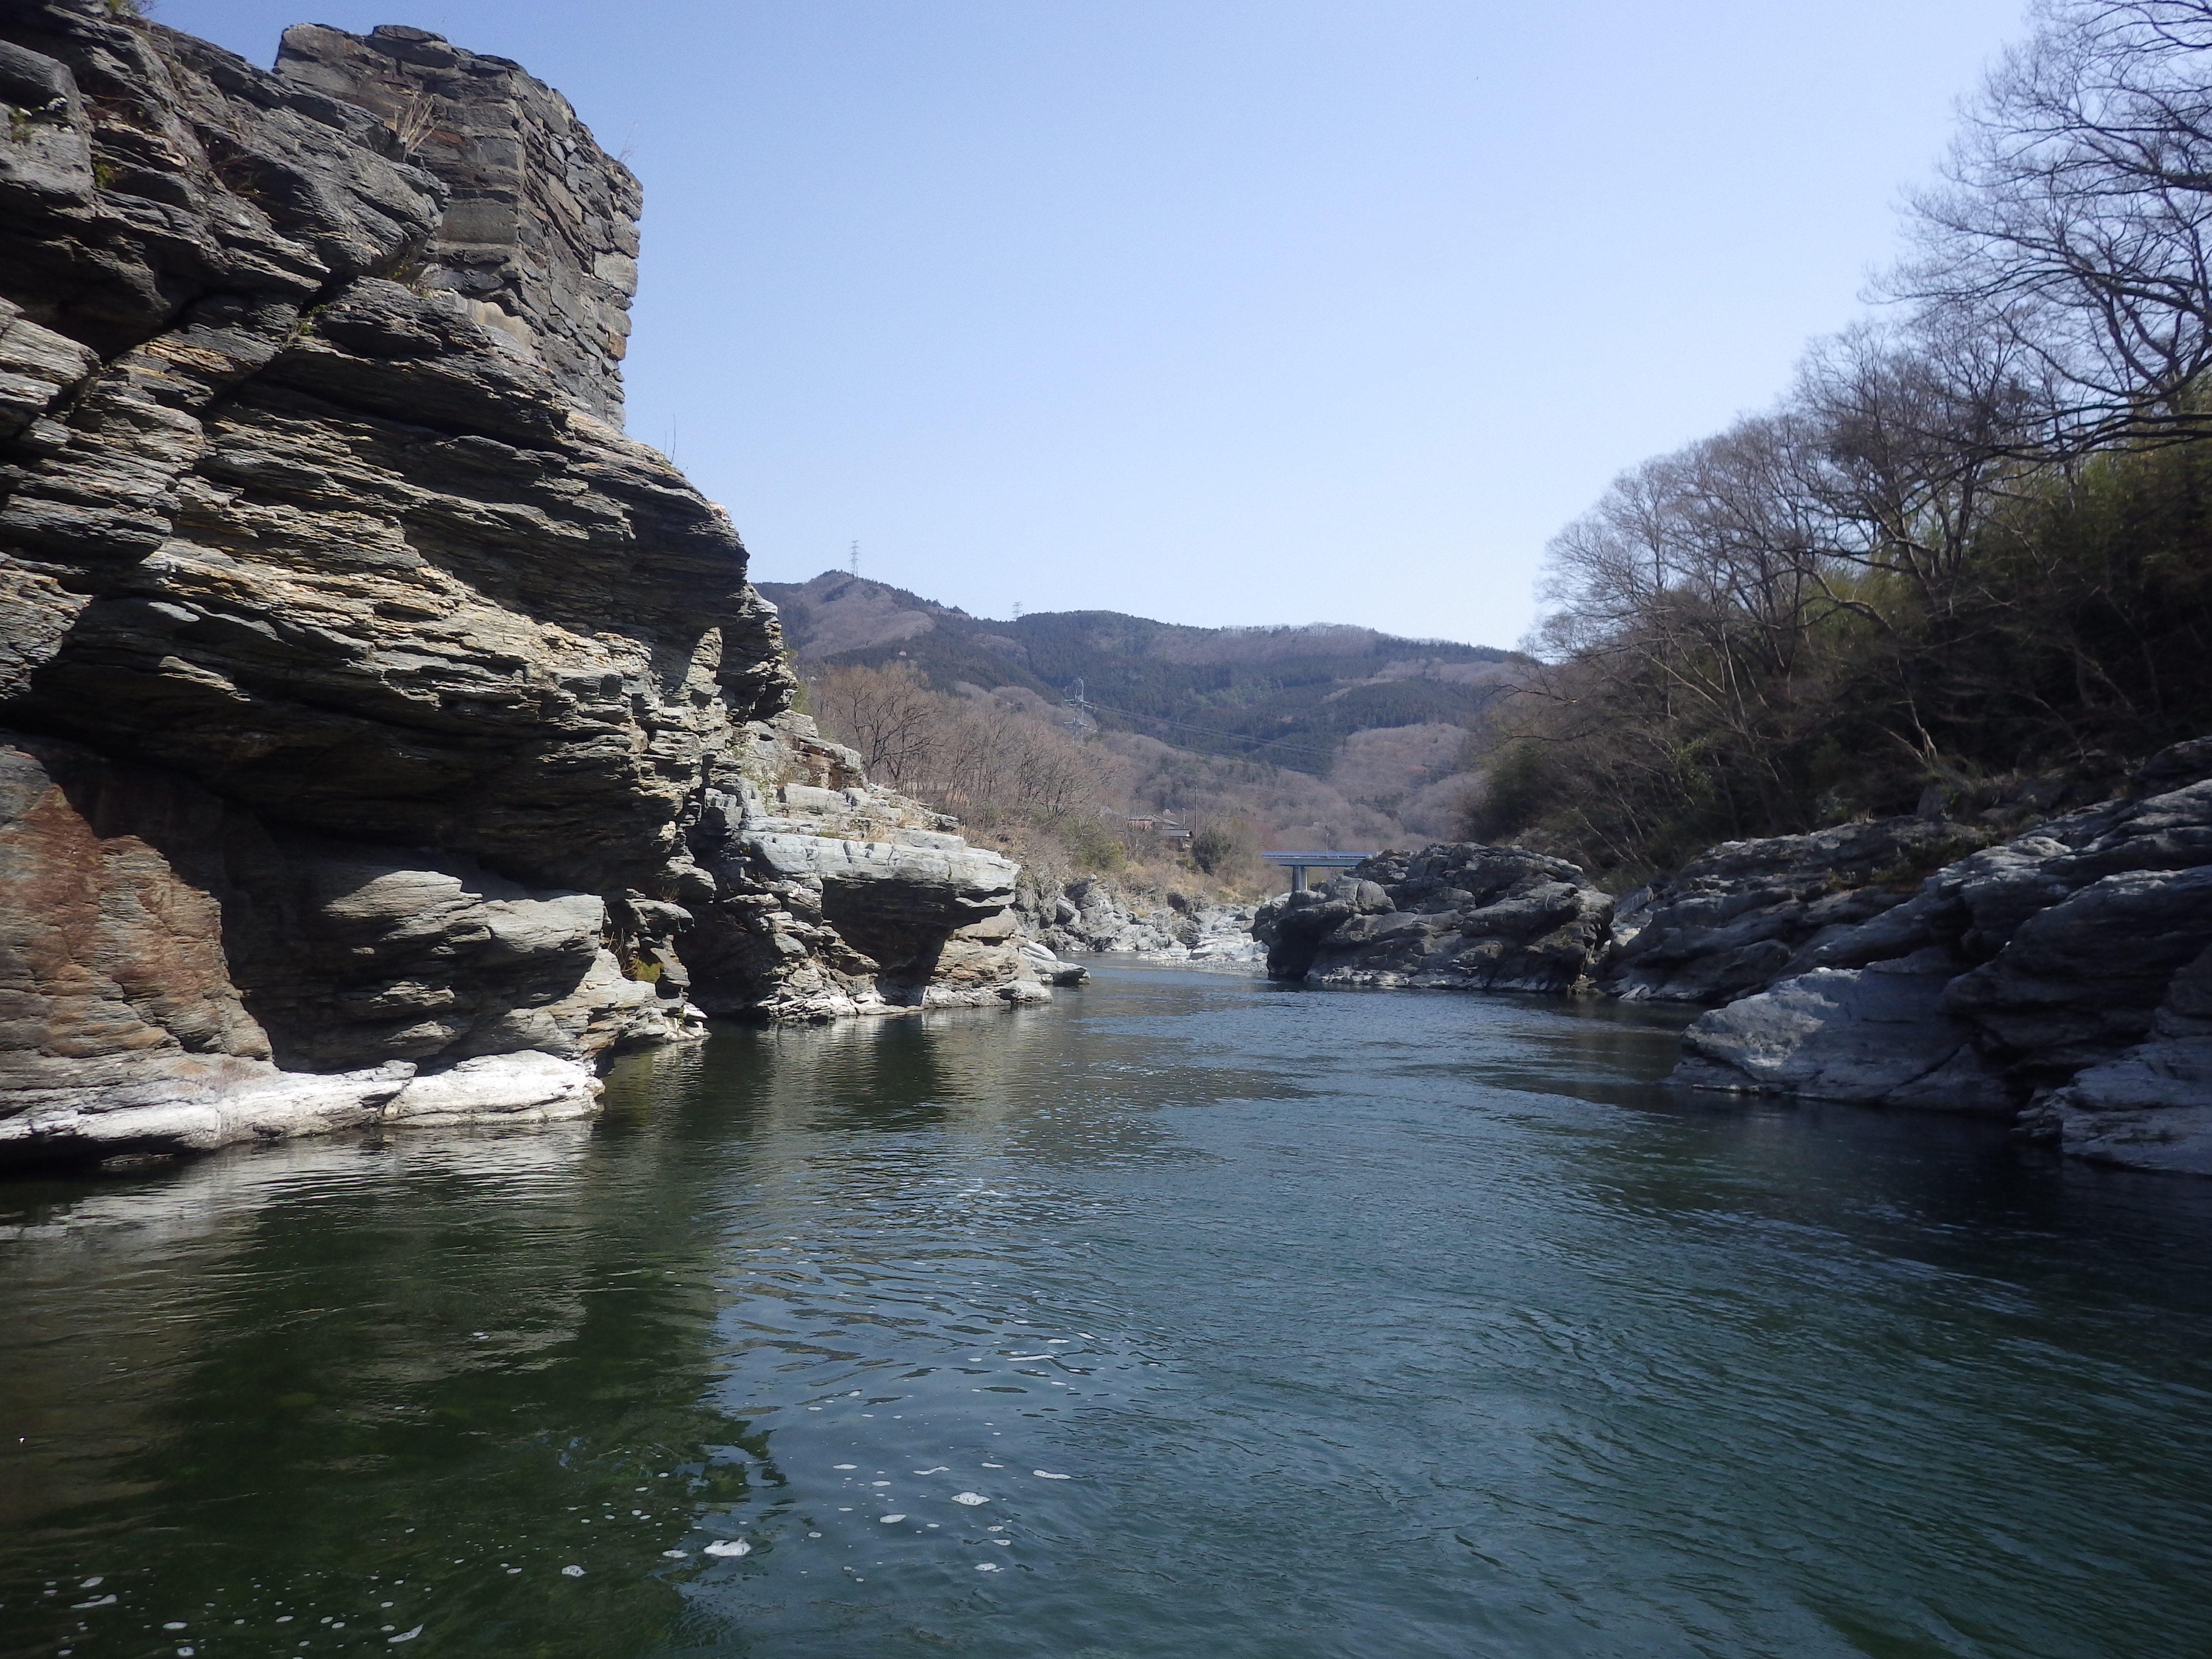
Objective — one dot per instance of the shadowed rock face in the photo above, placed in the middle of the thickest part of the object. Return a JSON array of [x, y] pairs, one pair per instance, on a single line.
[[1456, 916], [1736, 919], [384, 713]]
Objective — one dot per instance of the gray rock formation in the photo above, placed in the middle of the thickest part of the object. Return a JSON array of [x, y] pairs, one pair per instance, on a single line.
[[392, 737], [1458, 916], [2065, 968], [1096, 913], [836, 897], [1748, 913]]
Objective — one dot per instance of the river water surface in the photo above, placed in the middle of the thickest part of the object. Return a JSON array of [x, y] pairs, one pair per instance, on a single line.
[[1190, 1316]]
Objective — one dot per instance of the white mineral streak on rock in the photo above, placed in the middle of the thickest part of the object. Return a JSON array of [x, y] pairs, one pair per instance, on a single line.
[[541, 1088]]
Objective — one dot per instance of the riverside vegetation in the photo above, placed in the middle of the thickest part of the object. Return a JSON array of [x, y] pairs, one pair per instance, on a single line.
[[1927, 648], [1966, 560]]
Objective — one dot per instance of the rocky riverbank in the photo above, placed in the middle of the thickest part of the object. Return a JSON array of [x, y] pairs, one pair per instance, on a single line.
[[388, 737], [2065, 973], [1094, 913], [2061, 976]]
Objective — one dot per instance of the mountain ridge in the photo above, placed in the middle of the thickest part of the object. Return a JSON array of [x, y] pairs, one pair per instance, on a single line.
[[1289, 694]]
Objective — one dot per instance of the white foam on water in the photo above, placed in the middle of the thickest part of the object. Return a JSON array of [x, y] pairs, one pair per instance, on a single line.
[[730, 1546], [887, 1519], [970, 1498], [678, 1555], [572, 1571], [942, 1468], [1047, 1474], [986, 1566]]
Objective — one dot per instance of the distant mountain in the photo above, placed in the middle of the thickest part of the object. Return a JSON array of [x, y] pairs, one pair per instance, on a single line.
[[1290, 696]]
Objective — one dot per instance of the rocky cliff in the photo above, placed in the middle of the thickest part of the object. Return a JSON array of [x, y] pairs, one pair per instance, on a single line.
[[389, 735]]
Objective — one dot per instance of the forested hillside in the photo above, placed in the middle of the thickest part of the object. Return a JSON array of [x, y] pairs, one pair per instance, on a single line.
[[1057, 730], [1285, 695], [1966, 560]]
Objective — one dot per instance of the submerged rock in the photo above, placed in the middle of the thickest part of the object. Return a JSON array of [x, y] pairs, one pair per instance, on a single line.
[[1458, 916]]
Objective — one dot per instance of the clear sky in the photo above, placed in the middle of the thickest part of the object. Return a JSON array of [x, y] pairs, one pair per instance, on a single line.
[[1219, 310]]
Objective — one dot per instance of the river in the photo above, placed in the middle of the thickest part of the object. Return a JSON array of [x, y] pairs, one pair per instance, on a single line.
[[1188, 1317]]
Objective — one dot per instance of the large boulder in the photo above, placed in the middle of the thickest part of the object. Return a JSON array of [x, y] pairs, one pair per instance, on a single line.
[[1456, 916], [835, 896]]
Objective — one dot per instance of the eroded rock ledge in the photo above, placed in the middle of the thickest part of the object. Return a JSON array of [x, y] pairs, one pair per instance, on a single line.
[[388, 736]]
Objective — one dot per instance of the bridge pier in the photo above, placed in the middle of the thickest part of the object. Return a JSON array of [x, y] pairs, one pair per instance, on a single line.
[[1299, 863]]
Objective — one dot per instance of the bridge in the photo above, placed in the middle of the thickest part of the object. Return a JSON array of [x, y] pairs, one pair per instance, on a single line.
[[1299, 863]]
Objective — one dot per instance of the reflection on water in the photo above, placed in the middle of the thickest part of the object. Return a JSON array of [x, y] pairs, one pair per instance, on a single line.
[[1190, 1315]]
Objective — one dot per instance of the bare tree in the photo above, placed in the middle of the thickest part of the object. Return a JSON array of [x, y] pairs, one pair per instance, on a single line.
[[2075, 220], [887, 713]]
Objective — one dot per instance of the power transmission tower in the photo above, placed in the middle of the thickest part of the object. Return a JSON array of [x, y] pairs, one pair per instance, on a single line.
[[856, 558]]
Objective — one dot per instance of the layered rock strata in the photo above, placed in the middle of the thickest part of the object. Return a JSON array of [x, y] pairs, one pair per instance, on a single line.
[[2068, 970], [1746, 914], [391, 737], [1456, 916]]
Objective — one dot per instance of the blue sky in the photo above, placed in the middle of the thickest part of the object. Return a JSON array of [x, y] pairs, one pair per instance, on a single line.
[[1213, 310]]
